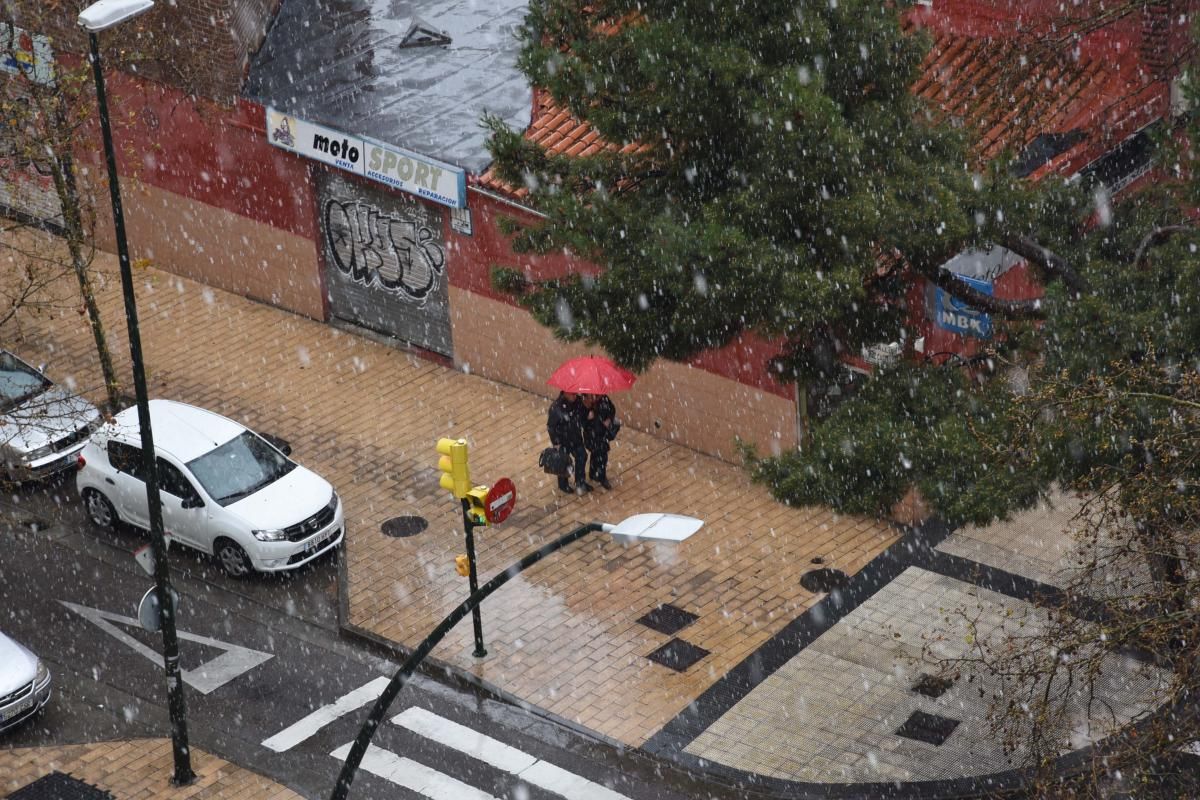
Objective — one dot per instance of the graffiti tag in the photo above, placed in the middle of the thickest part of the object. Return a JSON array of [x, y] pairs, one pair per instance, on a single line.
[[401, 256]]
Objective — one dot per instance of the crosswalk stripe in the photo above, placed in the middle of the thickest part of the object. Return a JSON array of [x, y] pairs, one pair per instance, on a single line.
[[502, 756], [411, 775], [294, 734]]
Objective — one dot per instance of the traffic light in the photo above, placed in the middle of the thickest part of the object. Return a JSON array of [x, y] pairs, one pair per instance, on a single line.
[[477, 498], [456, 477]]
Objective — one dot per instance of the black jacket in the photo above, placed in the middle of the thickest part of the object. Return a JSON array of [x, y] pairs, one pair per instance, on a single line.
[[564, 423], [595, 432]]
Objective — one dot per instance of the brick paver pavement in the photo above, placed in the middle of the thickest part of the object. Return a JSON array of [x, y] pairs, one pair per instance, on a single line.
[[137, 769], [562, 636]]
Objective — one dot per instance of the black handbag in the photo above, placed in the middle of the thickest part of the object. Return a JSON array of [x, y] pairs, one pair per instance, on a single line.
[[555, 461], [614, 428]]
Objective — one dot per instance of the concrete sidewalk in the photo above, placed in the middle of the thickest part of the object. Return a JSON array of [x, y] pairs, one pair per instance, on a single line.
[[747, 673], [565, 635]]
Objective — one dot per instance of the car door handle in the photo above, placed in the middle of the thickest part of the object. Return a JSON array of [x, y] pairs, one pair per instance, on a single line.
[[110, 480]]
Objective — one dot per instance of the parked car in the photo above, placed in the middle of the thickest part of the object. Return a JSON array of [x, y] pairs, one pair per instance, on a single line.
[[42, 425], [24, 683], [225, 489]]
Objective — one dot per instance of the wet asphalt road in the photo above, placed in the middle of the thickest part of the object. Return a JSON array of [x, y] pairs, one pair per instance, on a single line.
[[262, 653]]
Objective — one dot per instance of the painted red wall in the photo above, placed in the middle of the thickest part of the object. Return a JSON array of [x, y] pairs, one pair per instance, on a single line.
[[206, 152]]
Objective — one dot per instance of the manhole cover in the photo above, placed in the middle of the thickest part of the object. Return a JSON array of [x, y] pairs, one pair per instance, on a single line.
[[932, 685], [677, 655], [823, 580], [928, 728], [59, 786], [400, 527], [668, 619]]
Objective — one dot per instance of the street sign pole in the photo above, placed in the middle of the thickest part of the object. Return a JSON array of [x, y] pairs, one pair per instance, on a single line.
[[473, 580]]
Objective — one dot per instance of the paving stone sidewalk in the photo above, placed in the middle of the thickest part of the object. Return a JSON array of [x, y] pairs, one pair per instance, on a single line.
[[136, 769], [565, 635]]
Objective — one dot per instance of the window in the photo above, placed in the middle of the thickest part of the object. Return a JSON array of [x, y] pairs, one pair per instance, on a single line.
[[239, 468], [125, 458], [171, 480]]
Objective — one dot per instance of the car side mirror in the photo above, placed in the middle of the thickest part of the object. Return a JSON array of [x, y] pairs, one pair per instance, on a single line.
[[192, 502], [279, 444]]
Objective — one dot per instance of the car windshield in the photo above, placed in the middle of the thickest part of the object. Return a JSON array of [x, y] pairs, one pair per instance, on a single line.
[[18, 381], [239, 468]]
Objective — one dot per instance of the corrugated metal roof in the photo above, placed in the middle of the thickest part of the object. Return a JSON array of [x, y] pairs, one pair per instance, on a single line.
[[374, 68]]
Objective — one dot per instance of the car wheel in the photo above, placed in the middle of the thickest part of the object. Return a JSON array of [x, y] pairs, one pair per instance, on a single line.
[[99, 510], [233, 558]]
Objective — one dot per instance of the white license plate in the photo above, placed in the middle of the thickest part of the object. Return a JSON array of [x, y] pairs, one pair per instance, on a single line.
[[317, 544], [18, 709]]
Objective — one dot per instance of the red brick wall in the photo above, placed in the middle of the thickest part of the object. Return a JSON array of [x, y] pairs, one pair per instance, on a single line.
[[202, 45]]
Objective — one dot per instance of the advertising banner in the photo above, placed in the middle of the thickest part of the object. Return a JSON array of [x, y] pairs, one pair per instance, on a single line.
[[394, 166]]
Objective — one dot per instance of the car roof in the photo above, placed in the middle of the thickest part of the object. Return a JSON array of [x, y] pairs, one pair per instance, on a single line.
[[184, 431]]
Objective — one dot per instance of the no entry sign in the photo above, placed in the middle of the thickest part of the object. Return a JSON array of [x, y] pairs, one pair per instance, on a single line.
[[499, 502]]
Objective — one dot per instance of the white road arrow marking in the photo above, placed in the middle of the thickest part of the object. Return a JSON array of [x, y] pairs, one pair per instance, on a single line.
[[296, 733], [502, 756], [411, 775], [205, 678]]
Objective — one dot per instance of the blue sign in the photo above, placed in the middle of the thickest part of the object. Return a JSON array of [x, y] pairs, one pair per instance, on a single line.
[[955, 315]]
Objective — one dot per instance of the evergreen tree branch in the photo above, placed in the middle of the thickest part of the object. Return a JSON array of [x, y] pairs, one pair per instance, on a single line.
[[1051, 263], [1009, 309]]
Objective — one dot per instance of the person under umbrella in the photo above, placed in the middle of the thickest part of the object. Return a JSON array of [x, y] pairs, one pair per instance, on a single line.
[[600, 427], [564, 424]]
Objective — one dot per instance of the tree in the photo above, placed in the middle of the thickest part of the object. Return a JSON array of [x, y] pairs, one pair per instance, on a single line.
[[49, 112], [769, 164], [776, 175]]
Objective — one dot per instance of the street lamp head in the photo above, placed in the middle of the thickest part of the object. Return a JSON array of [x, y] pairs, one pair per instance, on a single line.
[[107, 13], [668, 527]]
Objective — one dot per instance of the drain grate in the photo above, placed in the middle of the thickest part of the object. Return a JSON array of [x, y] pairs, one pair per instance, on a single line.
[[59, 786], [668, 619], [822, 580], [402, 527], [932, 685], [678, 655], [929, 728]]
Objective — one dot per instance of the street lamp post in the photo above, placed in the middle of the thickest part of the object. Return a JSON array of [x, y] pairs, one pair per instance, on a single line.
[[95, 18], [670, 527]]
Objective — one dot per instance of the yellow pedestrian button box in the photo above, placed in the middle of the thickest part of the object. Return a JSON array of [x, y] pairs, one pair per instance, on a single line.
[[462, 566]]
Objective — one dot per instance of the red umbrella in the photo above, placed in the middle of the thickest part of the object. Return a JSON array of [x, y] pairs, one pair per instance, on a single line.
[[591, 375]]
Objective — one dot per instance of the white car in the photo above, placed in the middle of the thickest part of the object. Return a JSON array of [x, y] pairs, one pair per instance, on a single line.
[[42, 426], [24, 683], [225, 489]]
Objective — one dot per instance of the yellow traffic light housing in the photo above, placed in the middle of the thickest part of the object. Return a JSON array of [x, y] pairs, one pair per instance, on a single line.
[[476, 498], [456, 477]]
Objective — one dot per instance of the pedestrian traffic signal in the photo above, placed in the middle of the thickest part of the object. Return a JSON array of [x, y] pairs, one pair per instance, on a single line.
[[456, 475]]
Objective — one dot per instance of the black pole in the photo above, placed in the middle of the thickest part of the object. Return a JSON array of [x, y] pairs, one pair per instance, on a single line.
[[472, 579], [162, 574], [342, 789]]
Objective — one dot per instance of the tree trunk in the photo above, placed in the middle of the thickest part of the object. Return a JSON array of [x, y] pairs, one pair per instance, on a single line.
[[68, 195], [1166, 566]]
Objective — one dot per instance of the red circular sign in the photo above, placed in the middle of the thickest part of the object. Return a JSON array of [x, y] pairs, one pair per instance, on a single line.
[[499, 502]]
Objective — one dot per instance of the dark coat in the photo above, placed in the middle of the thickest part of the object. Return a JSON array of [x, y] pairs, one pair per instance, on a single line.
[[595, 433], [564, 423]]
